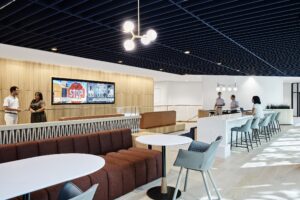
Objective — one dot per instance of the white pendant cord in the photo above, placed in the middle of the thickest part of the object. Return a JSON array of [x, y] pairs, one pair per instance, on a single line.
[[138, 10]]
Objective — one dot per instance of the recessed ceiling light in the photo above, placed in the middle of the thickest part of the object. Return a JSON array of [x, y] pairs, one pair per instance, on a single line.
[[219, 63], [187, 52], [54, 49], [120, 61], [161, 69], [237, 70]]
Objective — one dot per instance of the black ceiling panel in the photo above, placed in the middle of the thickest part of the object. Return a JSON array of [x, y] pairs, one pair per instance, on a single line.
[[232, 37]]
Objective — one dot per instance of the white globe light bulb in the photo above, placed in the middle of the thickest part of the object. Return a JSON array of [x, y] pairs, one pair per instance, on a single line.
[[129, 45], [235, 89], [151, 34], [128, 26], [229, 89], [218, 89], [223, 89], [145, 40]]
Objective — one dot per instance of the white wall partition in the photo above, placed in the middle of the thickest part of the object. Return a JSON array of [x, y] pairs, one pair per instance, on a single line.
[[41, 131], [178, 93], [269, 89], [287, 94], [203, 92]]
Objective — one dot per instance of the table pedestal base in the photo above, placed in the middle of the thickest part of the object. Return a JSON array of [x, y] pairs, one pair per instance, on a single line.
[[155, 193]]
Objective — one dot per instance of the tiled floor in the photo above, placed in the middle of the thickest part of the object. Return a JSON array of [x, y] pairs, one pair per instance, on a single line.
[[269, 172]]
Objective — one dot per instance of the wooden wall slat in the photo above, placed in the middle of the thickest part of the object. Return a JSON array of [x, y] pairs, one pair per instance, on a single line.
[[31, 77]]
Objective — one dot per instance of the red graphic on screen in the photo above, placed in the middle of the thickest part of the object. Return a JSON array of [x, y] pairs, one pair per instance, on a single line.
[[76, 91]]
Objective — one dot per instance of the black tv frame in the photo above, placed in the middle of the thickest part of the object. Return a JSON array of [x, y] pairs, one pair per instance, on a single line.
[[80, 80]]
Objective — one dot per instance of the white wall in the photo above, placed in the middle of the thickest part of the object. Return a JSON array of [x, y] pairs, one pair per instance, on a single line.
[[178, 93], [269, 89], [287, 93], [203, 92]]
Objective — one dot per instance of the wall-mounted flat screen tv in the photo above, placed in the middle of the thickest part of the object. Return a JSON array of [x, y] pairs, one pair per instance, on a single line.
[[74, 91]]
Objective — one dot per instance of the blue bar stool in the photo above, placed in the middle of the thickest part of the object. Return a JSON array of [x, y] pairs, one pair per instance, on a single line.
[[245, 129], [255, 131], [264, 127]]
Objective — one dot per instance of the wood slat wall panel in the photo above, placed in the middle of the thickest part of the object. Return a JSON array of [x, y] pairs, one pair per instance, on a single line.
[[32, 77]]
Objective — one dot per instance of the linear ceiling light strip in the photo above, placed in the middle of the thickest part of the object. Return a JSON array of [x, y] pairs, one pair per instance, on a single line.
[[7, 4], [227, 37]]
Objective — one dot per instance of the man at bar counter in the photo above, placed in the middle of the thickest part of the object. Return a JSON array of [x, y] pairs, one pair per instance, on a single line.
[[219, 104], [234, 105], [11, 106]]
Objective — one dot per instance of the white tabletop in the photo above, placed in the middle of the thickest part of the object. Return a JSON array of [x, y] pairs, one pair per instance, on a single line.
[[163, 140], [32, 174]]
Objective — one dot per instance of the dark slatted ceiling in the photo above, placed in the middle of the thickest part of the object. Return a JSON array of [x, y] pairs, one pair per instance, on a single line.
[[252, 37]]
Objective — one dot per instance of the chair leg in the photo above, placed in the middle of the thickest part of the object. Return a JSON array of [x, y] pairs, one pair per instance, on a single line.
[[246, 140], [186, 180], [257, 135], [214, 185], [254, 137], [231, 141], [206, 185], [265, 133], [250, 140], [177, 184], [279, 128], [236, 138]]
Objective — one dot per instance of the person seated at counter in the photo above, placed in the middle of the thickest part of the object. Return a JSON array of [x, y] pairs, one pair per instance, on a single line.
[[257, 110], [219, 104], [234, 105]]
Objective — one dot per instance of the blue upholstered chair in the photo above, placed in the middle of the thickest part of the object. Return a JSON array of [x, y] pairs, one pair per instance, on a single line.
[[71, 192], [199, 157]]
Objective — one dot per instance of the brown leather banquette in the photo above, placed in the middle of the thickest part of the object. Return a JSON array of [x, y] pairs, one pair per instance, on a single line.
[[157, 119], [126, 167]]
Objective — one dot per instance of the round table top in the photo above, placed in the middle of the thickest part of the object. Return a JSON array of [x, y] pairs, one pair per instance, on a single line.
[[32, 174], [163, 140]]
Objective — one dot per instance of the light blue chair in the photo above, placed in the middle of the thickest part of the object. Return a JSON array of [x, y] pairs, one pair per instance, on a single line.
[[199, 157], [264, 127], [71, 192], [255, 131], [245, 129], [272, 123], [277, 122]]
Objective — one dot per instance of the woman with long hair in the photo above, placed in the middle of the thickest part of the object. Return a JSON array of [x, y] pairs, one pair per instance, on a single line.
[[257, 110]]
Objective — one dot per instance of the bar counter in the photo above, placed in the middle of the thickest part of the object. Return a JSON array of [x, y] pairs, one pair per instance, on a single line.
[[209, 128]]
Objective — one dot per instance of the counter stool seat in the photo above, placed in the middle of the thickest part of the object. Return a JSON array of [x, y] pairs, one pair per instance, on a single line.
[[244, 129]]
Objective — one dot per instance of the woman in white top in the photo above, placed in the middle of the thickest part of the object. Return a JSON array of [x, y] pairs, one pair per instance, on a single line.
[[257, 110]]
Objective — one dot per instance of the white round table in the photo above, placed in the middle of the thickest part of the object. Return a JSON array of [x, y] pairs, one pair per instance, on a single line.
[[22, 177], [164, 191]]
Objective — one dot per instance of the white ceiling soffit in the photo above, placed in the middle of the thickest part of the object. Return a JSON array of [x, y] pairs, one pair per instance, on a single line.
[[27, 54]]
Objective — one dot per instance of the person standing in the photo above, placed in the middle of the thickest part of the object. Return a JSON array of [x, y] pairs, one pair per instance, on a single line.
[[37, 109], [257, 110], [219, 104], [11, 106], [234, 105]]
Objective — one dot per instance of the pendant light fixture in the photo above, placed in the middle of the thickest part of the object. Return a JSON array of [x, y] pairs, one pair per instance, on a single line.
[[146, 39], [230, 87]]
